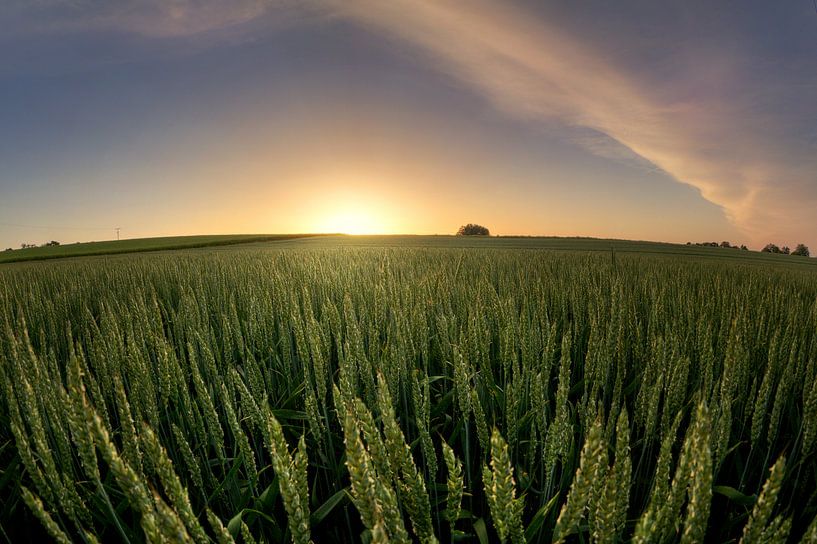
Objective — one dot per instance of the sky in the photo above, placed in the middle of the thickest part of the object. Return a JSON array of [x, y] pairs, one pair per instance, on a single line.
[[676, 121]]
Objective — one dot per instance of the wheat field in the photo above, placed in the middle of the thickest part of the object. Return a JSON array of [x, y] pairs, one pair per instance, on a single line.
[[407, 395]]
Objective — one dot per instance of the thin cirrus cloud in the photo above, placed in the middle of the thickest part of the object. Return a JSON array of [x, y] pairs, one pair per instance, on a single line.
[[739, 159], [154, 18]]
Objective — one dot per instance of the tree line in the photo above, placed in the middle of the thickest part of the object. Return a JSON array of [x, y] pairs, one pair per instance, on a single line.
[[800, 250], [29, 246]]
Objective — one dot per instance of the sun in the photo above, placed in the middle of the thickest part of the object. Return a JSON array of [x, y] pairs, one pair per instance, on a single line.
[[346, 205], [351, 221]]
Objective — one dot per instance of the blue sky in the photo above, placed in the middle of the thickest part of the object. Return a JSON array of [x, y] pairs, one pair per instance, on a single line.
[[664, 121]]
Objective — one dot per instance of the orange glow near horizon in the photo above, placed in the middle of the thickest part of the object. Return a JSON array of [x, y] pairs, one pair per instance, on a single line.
[[349, 210], [357, 221]]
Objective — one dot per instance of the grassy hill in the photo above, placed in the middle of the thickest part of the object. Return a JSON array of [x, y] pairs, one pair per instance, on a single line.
[[548, 243], [232, 242], [137, 245]]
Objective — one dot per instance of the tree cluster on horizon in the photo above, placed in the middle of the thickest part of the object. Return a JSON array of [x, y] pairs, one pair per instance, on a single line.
[[724, 244], [801, 250], [30, 246], [472, 229]]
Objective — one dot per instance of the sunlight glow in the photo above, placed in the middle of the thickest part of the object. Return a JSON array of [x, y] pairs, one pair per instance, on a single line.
[[349, 220], [349, 203]]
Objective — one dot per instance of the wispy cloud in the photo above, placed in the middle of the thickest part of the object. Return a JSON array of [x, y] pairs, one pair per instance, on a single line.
[[156, 18], [737, 157]]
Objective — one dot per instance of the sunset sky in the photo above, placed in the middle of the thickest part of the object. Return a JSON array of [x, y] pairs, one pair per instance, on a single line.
[[675, 121]]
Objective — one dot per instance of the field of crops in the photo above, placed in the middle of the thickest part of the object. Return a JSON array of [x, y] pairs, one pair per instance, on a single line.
[[373, 394]]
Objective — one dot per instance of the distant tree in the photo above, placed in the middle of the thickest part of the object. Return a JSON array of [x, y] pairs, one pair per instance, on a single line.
[[785, 250], [9, 249], [472, 229], [801, 250], [726, 244], [744, 248], [770, 248], [53, 243]]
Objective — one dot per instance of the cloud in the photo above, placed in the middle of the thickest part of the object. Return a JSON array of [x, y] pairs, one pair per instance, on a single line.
[[706, 132], [153, 18], [602, 145]]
